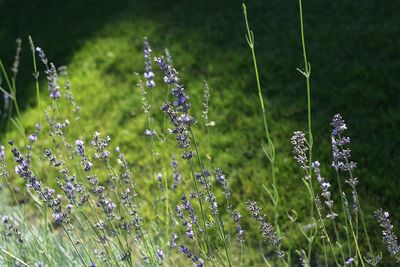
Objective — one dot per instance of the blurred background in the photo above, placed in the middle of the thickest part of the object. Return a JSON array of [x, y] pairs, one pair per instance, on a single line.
[[353, 48]]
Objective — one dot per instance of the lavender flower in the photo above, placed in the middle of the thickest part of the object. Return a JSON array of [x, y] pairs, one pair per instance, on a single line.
[[185, 250], [300, 148], [108, 207], [187, 206], [326, 194], [341, 155], [51, 75], [201, 179], [33, 137], [100, 145], [46, 194], [42, 55], [148, 74], [178, 110], [68, 94], [146, 107], [221, 178], [69, 190], [160, 254], [171, 75], [189, 209], [126, 174], [196, 260], [172, 243], [189, 230], [207, 96], [159, 179], [239, 231], [210, 198], [2, 153], [266, 228], [53, 86], [149, 132], [80, 148], [388, 235], [15, 66], [349, 261]]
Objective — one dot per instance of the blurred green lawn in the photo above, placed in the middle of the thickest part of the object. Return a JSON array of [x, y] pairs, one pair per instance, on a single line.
[[353, 47]]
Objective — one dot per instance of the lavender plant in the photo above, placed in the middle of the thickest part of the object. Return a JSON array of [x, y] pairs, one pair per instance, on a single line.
[[388, 236], [87, 200]]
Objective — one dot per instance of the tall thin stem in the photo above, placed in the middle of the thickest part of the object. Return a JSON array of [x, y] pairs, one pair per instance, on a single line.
[[269, 149], [306, 73], [220, 226], [345, 214], [35, 72]]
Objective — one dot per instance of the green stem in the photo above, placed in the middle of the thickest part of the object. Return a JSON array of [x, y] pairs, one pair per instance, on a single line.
[[271, 150], [35, 73], [203, 216], [360, 210], [222, 232], [74, 246], [356, 242], [307, 73], [344, 210]]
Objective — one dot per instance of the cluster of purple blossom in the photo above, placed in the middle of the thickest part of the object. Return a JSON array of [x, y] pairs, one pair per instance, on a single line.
[[2, 153], [178, 111], [186, 251], [300, 149], [325, 186], [45, 193], [341, 155], [188, 208], [148, 132], [75, 192], [16, 62], [100, 145], [80, 148], [51, 158], [51, 75], [389, 237], [33, 137], [148, 74], [266, 228], [221, 178], [239, 231], [202, 178]]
